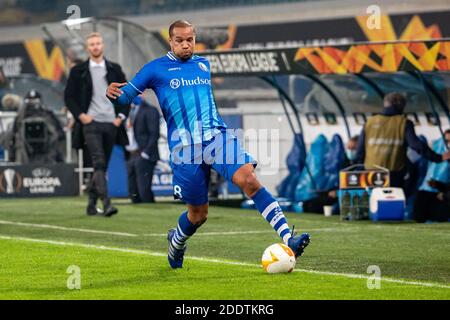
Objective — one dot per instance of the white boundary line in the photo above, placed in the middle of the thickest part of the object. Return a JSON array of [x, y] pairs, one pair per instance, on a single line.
[[268, 231], [124, 234], [346, 228], [48, 226], [210, 260], [224, 233]]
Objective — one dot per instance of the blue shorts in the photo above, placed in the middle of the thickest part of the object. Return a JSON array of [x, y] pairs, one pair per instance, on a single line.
[[191, 166]]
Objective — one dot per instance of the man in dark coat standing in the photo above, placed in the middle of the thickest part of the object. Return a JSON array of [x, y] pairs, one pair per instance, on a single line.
[[144, 123], [98, 122]]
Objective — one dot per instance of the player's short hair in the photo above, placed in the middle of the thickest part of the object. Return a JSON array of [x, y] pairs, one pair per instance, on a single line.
[[395, 99], [447, 132], [180, 24], [94, 35]]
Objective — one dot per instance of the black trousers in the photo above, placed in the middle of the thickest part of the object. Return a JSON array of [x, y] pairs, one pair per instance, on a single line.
[[140, 176], [428, 207], [99, 138]]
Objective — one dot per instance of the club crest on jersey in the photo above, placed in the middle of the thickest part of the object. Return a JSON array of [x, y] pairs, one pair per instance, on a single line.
[[203, 66], [174, 83]]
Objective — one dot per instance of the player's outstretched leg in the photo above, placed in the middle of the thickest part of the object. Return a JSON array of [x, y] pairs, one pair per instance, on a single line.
[[269, 208], [177, 237]]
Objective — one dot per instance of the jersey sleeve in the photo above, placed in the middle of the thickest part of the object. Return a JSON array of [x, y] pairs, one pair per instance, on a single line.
[[144, 79]]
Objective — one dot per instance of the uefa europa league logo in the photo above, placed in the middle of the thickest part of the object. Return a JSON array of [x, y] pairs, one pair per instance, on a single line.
[[12, 181]]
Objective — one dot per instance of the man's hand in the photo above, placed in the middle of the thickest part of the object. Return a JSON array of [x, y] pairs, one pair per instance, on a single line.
[[85, 118], [446, 156], [117, 122], [113, 90], [440, 196]]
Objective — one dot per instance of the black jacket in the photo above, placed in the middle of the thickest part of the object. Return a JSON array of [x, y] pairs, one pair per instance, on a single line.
[[146, 130], [78, 95]]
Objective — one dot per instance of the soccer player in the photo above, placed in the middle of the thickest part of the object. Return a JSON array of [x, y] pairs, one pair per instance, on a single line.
[[198, 140]]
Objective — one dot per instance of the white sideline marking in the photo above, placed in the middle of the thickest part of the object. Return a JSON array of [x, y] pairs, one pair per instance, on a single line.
[[361, 276], [268, 231], [48, 226], [159, 254], [213, 233], [124, 234]]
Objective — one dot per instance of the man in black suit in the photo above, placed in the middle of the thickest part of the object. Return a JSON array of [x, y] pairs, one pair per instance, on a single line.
[[98, 122], [144, 123]]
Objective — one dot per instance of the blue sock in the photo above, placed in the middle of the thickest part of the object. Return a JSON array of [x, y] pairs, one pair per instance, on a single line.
[[271, 211], [185, 229]]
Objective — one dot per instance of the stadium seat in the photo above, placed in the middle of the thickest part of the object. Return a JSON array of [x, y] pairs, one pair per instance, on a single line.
[[334, 162], [295, 163], [314, 180]]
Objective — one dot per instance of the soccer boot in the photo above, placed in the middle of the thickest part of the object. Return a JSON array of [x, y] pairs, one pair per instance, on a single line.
[[298, 243], [174, 255]]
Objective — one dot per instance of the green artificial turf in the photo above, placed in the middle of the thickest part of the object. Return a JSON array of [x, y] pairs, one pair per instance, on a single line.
[[123, 257]]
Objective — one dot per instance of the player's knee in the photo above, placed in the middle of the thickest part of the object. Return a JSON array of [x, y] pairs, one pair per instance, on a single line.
[[252, 184], [202, 221], [199, 215]]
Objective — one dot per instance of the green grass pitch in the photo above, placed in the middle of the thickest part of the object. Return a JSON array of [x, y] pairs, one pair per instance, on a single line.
[[124, 257]]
